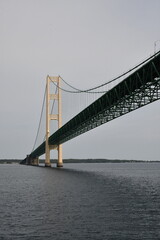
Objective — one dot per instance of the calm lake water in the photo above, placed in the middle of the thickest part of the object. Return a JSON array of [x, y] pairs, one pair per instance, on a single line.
[[81, 201]]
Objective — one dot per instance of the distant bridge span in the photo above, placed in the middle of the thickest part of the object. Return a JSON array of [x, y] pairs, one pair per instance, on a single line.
[[140, 88]]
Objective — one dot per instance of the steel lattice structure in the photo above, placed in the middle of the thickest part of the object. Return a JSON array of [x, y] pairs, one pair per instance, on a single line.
[[142, 87]]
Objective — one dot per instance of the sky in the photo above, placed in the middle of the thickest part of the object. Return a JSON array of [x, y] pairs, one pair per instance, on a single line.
[[87, 42]]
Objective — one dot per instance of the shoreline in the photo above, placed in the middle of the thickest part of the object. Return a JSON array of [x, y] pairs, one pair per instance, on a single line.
[[100, 160]]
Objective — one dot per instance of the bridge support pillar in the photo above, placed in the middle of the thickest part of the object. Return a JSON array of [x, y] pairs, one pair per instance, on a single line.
[[47, 159], [32, 161], [28, 160], [60, 160], [35, 161], [50, 116]]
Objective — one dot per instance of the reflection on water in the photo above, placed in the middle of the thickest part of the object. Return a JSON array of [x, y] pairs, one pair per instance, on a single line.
[[80, 201]]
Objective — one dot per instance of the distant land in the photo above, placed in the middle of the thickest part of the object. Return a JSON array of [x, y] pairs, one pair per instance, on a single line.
[[100, 160]]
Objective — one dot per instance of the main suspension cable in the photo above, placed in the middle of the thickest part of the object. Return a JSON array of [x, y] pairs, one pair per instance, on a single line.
[[106, 83], [40, 120], [69, 91]]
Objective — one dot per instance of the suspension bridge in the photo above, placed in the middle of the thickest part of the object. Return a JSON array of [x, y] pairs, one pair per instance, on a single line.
[[131, 90]]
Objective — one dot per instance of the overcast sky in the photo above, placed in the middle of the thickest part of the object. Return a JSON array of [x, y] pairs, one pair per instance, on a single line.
[[87, 42]]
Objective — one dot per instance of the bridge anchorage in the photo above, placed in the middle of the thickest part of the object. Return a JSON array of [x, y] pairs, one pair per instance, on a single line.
[[136, 90]]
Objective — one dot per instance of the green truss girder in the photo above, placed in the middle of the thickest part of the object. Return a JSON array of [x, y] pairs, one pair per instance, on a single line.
[[137, 90]]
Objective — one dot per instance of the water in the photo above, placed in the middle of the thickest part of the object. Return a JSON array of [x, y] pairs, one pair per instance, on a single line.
[[81, 201]]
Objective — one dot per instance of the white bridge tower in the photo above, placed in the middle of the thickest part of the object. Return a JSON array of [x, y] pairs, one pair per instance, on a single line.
[[49, 117]]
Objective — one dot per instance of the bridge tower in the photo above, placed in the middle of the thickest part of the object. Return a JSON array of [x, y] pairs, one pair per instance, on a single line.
[[49, 117]]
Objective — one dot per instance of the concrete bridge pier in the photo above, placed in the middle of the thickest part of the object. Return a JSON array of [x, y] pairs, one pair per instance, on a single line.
[[60, 159], [32, 161], [35, 161]]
